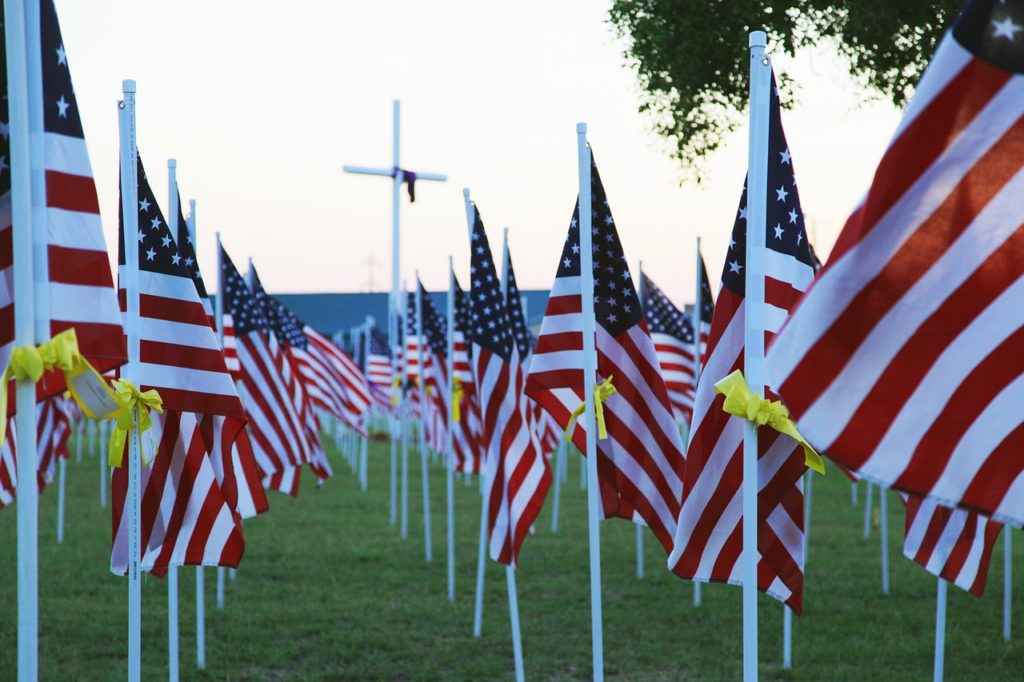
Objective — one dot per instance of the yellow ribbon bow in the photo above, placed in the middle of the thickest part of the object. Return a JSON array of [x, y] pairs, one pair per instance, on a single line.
[[742, 402], [602, 392], [30, 363], [131, 399], [396, 384], [457, 393]]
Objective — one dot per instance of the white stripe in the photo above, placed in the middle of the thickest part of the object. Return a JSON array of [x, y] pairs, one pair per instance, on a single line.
[[73, 302], [846, 278], [991, 228]]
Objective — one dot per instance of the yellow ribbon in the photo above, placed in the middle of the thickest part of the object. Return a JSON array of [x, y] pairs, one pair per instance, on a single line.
[[30, 363], [396, 384], [457, 393], [742, 402], [131, 398], [602, 392]]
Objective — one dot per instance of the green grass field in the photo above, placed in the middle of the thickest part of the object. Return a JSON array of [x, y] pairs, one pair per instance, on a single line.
[[328, 590]]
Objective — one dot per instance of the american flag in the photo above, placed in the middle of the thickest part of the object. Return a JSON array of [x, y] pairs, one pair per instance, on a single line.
[[517, 475], [186, 517], [468, 450], [918, 308], [53, 429], [434, 337], [709, 538], [543, 424], [378, 368], [954, 544], [276, 430], [286, 330], [674, 342], [333, 380], [73, 284], [238, 475], [641, 463], [707, 304]]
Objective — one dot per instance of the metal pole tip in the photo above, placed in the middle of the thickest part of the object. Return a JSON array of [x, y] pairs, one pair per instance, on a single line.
[[128, 85], [758, 39], [581, 127], [465, 192]]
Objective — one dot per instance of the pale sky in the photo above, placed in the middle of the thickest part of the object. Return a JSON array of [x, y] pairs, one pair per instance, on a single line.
[[262, 103]]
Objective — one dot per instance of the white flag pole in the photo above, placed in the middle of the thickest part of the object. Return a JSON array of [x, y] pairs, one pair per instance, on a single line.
[[787, 637], [853, 493], [200, 619], [130, 217], [449, 431], [79, 437], [589, 381], [639, 528], [104, 469], [404, 420], [559, 474], [867, 510], [220, 588], [1007, 581], [757, 174], [940, 631], [365, 442], [20, 134], [422, 397], [510, 573], [172, 571], [883, 505], [696, 320], [481, 557], [61, 474], [513, 611]]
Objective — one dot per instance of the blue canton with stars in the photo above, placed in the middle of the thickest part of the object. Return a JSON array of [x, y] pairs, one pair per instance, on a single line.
[[158, 252], [246, 312], [435, 327], [489, 324], [281, 322], [616, 304], [784, 224], [60, 108], [187, 250], [514, 303], [463, 315], [662, 315], [379, 343], [994, 32], [707, 301]]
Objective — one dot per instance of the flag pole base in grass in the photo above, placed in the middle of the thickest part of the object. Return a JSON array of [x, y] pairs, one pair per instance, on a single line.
[[938, 671], [787, 637], [1007, 581], [513, 612], [639, 552]]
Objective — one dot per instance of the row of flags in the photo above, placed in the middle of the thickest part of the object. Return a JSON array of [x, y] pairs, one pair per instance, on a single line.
[[899, 358], [240, 412]]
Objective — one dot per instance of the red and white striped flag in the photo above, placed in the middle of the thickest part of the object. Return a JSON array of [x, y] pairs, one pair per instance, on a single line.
[[53, 429], [516, 472], [333, 380], [709, 539], [468, 449], [277, 431], [186, 517], [903, 360], [674, 342], [378, 369], [953, 544], [226, 438], [640, 463], [73, 284]]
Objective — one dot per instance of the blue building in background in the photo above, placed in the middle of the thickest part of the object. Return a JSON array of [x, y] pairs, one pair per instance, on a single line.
[[333, 312]]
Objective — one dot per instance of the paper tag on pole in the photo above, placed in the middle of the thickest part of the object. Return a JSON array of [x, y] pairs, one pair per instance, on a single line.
[[92, 393]]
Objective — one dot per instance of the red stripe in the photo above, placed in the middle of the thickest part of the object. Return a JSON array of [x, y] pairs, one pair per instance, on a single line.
[[79, 266], [71, 192], [920, 251]]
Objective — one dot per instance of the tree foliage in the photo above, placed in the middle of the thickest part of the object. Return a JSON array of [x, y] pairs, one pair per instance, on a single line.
[[691, 56]]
